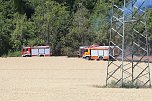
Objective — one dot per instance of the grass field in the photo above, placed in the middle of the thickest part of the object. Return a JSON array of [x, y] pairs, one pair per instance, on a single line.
[[60, 79]]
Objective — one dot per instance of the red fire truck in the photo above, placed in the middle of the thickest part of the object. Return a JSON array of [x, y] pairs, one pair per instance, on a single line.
[[36, 51]]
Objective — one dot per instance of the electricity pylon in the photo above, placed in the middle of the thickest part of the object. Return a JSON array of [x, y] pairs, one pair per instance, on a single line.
[[128, 35]]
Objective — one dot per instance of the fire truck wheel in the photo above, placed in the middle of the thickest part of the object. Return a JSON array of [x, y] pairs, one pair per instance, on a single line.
[[28, 56], [87, 58], [100, 58]]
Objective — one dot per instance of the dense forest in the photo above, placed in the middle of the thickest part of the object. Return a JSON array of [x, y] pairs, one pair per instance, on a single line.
[[63, 24]]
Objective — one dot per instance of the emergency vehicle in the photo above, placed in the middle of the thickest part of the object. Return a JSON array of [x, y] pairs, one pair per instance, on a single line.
[[99, 53], [36, 51]]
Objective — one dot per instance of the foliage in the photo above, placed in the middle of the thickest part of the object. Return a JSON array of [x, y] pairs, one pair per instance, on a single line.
[[80, 31], [63, 24], [126, 84], [51, 20], [14, 54], [149, 28]]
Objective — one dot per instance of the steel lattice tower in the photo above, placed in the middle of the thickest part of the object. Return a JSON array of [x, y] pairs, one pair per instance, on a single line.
[[128, 35]]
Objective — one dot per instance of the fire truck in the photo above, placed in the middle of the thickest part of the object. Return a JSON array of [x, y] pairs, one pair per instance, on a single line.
[[99, 52], [36, 51]]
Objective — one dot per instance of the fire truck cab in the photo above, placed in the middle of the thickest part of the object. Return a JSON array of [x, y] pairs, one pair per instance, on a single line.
[[81, 50], [26, 52]]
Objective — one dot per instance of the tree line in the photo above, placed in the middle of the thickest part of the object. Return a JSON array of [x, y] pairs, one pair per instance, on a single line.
[[63, 24]]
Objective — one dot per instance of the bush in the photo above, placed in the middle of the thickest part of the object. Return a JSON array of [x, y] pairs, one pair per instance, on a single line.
[[13, 54], [68, 51], [112, 84], [126, 84]]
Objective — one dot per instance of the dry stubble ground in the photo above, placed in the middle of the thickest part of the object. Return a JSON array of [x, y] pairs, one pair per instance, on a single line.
[[60, 79]]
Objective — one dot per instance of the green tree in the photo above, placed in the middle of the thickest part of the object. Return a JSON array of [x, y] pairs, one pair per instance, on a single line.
[[51, 19], [80, 33], [24, 32], [100, 22], [6, 25], [149, 29]]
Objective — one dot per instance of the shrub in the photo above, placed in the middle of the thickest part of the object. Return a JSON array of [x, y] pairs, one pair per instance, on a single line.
[[68, 51], [13, 54], [126, 84]]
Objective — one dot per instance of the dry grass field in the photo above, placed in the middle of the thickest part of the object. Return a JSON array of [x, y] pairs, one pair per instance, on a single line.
[[60, 79]]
